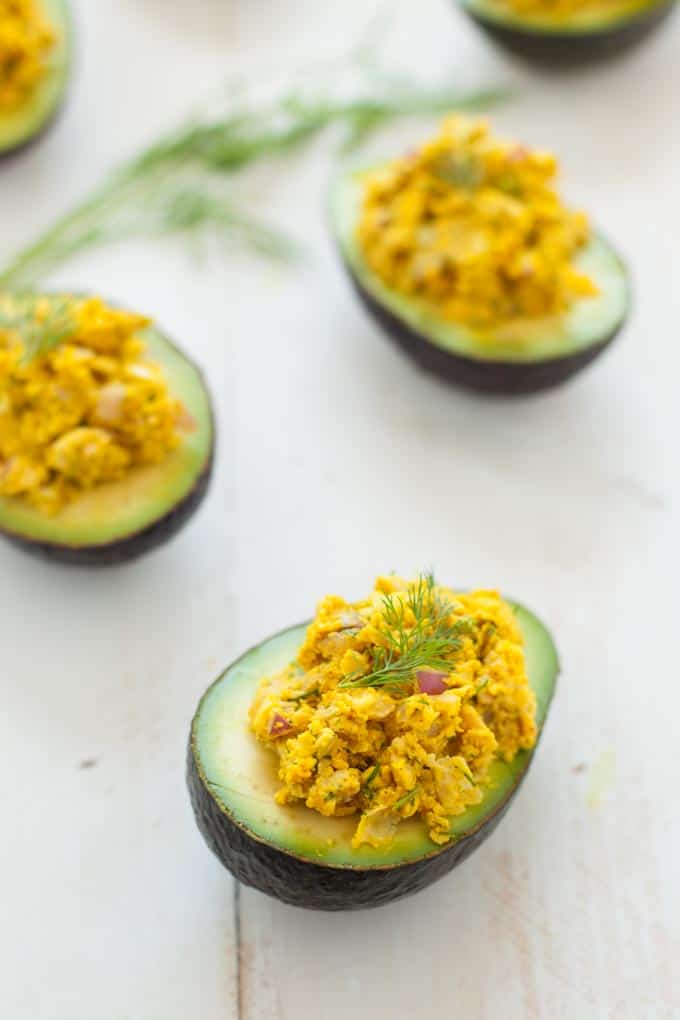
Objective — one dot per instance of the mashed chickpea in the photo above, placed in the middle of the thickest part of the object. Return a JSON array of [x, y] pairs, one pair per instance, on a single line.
[[86, 411], [562, 10], [26, 41], [472, 225], [398, 705]]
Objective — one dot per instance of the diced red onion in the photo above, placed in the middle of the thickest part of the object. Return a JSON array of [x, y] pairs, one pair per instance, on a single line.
[[279, 726], [431, 682], [519, 153]]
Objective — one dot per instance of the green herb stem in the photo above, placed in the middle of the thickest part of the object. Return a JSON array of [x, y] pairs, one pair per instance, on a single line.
[[406, 798], [418, 633], [311, 693], [40, 324], [179, 184], [372, 776]]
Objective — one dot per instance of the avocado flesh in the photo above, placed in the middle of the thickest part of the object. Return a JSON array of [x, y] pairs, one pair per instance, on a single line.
[[590, 321], [113, 513], [599, 19], [239, 775], [27, 121]]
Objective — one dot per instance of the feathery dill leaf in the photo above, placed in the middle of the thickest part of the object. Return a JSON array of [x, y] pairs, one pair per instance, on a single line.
[[181, 185], [418, 634], [40, 323]]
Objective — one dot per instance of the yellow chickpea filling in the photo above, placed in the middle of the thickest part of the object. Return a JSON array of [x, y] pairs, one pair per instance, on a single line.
[[87, 411], [397, 706], [565, 8], [26, 42], [472, 225]]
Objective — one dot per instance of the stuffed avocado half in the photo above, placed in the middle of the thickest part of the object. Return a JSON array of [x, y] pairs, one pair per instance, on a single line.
[[270, 839], [36, 47], [107, 437], [564, 33], [464, 254]]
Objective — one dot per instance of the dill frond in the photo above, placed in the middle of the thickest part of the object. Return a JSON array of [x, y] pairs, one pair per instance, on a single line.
[[418, 634], [39, 323], [372, 776], [406, 798], [181, 185]]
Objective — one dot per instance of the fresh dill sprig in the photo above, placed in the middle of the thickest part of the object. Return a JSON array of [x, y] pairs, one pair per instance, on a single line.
[[418, 634], [39, 323], [181, 184], [406, 798], [372, 775]]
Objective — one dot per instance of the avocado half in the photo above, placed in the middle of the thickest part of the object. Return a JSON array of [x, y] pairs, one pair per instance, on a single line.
[[297, 855], [588, 35], [524, 356], [25, 124], [120, 521]]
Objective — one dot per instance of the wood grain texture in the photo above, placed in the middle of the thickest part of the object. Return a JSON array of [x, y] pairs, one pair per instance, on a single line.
[[337, 461]]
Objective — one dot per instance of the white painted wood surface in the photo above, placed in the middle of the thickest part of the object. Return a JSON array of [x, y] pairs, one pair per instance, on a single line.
[[337, 461]]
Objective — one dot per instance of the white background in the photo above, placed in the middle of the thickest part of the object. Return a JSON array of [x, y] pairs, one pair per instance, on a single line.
[[338, 460]]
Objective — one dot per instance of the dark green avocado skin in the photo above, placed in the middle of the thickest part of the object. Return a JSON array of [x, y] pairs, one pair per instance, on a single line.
[[572, 49], [509, 378], [125, 549], [316, 887]]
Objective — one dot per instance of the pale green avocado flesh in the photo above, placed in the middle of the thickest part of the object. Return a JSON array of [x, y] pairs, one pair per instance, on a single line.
[[20, 125], [589, 322], [241, 774], [115, 511], [597, 18]]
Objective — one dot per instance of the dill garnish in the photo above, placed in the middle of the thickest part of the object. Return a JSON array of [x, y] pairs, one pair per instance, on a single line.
[[39, 323], [311, 693], [465, 769], [182, 184], [430, 641], [372, 775], [406, 798]]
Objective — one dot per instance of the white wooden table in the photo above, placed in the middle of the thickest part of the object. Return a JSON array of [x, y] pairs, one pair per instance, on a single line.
[[338, 461]]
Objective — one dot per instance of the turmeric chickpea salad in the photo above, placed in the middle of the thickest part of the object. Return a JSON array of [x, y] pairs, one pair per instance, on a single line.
[[396, 707], [473, 224], [86, 411], [464, 242], [27, 40], [567, 14], [106, 428], [566, 8], [35, 64]]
